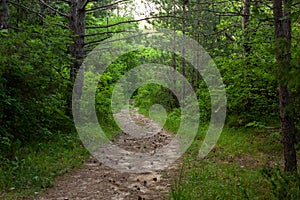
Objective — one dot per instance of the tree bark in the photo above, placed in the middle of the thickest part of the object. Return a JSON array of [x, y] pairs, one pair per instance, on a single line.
[[183, 54], [245, 21], [77, 27], [282, 28], [3, 14]]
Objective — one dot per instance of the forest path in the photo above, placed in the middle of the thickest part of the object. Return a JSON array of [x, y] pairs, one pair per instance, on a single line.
[[97, 181]]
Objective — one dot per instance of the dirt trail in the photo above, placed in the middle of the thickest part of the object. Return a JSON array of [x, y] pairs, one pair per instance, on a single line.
[[96, 181]]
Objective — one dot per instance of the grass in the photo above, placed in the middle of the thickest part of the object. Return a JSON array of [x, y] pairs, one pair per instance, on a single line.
[[36, 164], [244, 164]]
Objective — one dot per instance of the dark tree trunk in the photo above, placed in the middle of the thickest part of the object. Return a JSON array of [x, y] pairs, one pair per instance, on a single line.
[[3, 25], [282, 27], [245, 21], [3, 14], [77, 27]]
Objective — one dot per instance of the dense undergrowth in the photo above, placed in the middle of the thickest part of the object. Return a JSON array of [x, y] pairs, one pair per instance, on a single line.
[[36, 164], [38, 141], [246, 163]]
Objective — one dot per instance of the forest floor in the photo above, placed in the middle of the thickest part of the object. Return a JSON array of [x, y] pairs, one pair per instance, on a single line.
[[241, 160], [97, 181]]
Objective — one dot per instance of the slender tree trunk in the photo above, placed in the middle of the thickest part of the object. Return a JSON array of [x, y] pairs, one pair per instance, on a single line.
[[3, 14], [77, 27], [174, 64], [197, 53], [282, 27], [183, 54], [245, 21], [3, 25]]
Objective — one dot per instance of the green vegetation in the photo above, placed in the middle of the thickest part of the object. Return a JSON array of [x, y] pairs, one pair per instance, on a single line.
[[43, 44], [36, 164], [244, 164]]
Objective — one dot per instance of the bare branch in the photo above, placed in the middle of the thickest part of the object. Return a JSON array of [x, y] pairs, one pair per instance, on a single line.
[[36, 12], [65, 1], [105, 7], [26, 8], [136, 20], [109, 32], [206, 3], [95, 41], [115, 40], [84, 5], [53, 9]]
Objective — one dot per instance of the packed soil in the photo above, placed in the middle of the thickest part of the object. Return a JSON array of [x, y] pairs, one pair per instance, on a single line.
[[97, 181]]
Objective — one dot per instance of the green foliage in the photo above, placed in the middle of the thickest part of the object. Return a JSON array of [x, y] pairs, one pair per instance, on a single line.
[[284, 185], [103, 106], [34, 80], [233, 169], [103, 18], [251, 90], [32, 107], [255, 124], [35, 166], [151, 94], [208, 180]]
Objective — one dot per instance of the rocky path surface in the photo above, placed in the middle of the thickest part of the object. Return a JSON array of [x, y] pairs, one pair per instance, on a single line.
[[96, 181]]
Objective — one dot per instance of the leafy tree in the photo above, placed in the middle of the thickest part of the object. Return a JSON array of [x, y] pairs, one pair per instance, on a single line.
[[33, 107]]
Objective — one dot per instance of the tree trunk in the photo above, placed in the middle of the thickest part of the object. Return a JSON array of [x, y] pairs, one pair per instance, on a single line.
[[77, 27], [282, 28], [3, 14], [182, 55], [3, 25], [245, 21]]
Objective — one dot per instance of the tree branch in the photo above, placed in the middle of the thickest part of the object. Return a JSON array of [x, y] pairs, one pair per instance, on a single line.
[[53, 9], [95, 41], [135, 20], [26, 8], [84, 5], [36, 12], [105, 6], [103, 33], [115, 40]]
